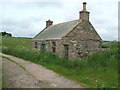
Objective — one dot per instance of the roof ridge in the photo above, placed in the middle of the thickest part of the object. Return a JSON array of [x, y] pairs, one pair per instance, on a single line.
[[58, 30], [64, 22]]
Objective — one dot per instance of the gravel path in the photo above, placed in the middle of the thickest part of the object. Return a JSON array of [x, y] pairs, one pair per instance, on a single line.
[[25, 74], [16, 77]]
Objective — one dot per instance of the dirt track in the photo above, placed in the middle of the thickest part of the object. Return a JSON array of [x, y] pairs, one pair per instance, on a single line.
[[24, 74]]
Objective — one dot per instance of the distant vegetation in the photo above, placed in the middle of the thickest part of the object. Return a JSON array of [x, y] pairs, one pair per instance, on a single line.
[[96, 71], [5, 34]]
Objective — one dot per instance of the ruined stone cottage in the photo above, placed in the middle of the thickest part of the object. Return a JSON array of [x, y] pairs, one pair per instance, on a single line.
[[73, 39]]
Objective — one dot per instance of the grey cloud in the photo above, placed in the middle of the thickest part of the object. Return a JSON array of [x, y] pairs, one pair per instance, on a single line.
[[33, 4], [20, 28], [30, 24], [119, 22], [12, 23]]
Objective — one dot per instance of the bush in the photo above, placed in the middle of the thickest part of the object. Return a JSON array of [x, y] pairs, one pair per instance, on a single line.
[[105, 60]]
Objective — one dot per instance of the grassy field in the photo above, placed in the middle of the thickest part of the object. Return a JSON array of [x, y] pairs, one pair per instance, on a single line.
[[16, 42], [0, 63], [96, 71], [0, 73]]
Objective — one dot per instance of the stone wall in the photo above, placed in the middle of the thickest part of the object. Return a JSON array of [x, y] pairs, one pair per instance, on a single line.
[[82, 40]]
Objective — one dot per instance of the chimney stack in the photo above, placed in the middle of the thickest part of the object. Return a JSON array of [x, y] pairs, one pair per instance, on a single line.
[[84, 6], [84, 14], [49, 23]]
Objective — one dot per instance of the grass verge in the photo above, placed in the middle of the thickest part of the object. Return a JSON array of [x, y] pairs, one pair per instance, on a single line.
[[0, 73], [95, 71]]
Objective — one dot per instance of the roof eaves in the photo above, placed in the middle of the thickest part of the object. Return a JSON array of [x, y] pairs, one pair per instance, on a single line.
[[48, 39]]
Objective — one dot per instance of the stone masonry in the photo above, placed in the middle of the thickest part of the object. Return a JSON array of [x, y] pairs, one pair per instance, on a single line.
[[73, 39]]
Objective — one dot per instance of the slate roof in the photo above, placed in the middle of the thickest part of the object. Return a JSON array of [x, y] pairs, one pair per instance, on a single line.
[[56, 31]]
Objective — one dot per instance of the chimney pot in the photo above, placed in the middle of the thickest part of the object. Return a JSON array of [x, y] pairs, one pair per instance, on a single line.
[[84, 6], [49, 23]]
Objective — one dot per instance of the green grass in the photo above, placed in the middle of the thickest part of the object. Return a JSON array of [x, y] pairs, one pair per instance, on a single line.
[[0, 74], [16, 42], [95, 71], [0, 63]]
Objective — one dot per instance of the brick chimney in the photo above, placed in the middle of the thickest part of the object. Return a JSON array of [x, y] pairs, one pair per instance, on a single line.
[[84, 14], [49, 23]]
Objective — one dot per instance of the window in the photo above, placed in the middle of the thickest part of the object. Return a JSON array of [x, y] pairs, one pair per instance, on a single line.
[[79, 54], [43, 47], [53, 47], [66, 51], [36, 45]]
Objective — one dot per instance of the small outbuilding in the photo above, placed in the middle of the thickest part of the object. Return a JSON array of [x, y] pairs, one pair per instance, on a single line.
[[72, 39]]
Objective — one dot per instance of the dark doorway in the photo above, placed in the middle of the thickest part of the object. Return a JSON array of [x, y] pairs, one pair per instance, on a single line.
[[66, 51], [43, 47], [36, 45], [53, 47]]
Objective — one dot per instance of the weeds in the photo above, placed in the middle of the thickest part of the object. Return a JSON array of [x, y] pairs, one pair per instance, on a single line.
[[97, 71]]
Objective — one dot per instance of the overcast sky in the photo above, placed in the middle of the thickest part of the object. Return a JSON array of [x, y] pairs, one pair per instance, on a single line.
[[27, 18]]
